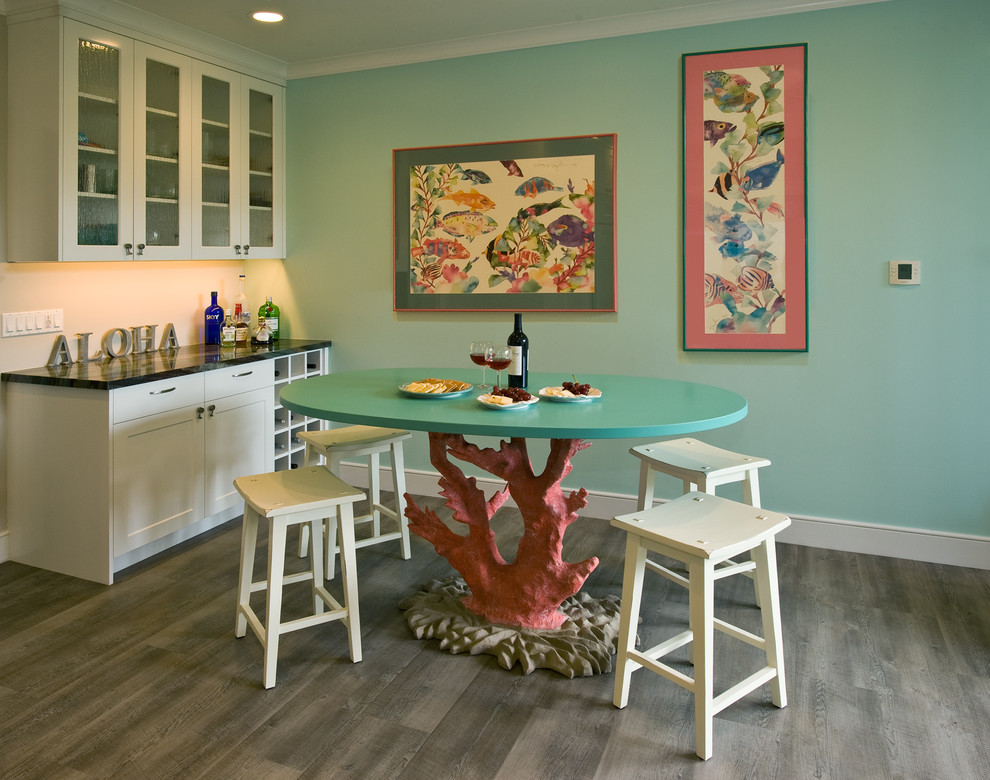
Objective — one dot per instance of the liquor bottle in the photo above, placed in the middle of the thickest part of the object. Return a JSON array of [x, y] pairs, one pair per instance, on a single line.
[[214, 321], [519, 346], [228, 334], [240, 326], [263, 335], [241, 300], [269, 311]]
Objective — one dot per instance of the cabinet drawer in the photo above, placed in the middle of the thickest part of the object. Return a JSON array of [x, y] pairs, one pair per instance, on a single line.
[[239, 379], [135, 401]]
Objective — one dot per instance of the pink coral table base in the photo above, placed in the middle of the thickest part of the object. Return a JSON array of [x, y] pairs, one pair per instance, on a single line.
[[528, 591]]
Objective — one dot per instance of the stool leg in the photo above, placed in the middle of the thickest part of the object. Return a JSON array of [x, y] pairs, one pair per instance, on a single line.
[[702, 609], [249, 543], [348, 571], [751, 488], [330, 540], [647, 482], [375, 484], [751, 495], [316, 564], [309, 459], [399, 482], [632, 595], [273, 609], [765, 556]]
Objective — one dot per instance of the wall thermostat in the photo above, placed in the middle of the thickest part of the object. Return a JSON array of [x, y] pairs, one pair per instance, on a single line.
[[905, 272]]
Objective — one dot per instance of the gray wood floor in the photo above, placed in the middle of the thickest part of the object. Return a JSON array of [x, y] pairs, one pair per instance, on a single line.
[[888, 672]]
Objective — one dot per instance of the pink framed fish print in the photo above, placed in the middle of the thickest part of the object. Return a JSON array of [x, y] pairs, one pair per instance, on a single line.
[[516, 225], [745, 229]]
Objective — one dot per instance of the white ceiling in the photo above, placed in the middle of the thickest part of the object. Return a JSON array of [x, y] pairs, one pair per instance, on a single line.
[[328, 36]]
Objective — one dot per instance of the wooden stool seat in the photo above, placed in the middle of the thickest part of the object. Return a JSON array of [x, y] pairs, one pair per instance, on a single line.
[[357, 441], [307, 495], [702, 531]]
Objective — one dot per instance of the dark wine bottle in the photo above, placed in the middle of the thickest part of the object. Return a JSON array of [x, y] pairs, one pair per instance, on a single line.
[[519, 346], [213, 321]]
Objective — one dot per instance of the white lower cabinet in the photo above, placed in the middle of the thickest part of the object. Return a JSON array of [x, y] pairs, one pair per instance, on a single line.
[[104, 479]]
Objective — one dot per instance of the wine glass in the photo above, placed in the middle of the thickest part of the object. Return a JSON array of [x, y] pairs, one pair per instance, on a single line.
[[498, 358], [479, 356]]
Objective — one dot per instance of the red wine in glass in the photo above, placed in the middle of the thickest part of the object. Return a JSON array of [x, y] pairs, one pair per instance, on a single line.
[[498, 358], [479, 353]]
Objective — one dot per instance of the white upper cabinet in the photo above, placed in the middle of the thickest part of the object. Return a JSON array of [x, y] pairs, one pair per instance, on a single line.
[[159, 156]]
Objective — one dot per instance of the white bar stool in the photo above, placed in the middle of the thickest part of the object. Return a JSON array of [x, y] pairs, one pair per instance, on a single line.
[[701, 531], [357, 441], [699, 466], [306, 495]]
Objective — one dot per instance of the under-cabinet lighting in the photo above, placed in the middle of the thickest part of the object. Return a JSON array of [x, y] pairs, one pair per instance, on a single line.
[[267, 16]]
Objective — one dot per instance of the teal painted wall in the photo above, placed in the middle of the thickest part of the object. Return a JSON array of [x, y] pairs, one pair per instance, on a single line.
[[884, 420]]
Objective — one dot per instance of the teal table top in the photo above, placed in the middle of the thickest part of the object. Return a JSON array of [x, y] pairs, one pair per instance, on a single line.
[[630, 407]]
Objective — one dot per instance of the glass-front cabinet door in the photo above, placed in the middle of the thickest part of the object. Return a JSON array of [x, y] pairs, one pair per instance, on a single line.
[[264, 112], [216, 177], [98, 144], [238, 190], [163, 210]]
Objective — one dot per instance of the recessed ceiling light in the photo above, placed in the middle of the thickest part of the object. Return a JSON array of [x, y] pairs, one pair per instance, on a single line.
[[267, 16]]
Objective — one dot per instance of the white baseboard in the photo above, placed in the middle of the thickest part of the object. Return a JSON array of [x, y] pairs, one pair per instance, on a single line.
[[909, 543], [891, 541]]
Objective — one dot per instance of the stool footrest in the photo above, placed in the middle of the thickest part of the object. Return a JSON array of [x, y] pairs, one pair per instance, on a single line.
[[663, 571], [729, 568], [739, 633], [740, 689], [650, 659]]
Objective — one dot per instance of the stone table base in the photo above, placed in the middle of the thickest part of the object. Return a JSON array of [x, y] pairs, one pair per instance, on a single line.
[[582, 646]]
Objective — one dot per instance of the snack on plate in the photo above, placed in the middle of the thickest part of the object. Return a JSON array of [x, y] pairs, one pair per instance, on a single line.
[[512, 393], [434, 386], [500, 400], [559, 392]]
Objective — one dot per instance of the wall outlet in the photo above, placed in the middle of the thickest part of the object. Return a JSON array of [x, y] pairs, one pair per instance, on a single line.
[[31, 323], [905, 272]]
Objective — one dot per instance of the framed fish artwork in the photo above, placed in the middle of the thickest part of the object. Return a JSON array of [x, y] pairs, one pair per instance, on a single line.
[[745, 228], [516, 225]]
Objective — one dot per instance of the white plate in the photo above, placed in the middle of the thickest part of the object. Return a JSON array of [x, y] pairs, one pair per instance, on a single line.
[[483, 400], [594, 395], [455, 394]]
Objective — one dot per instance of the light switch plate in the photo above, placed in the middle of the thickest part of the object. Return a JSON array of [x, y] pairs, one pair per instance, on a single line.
[[31, 323]]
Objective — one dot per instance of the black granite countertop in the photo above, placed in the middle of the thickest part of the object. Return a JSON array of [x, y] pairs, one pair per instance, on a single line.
[[134, 369]]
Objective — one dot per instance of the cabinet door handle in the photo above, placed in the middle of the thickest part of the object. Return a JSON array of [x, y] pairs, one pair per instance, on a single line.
[[237, 249], [211, 409], [140, 249], [246, 248], [199, 412], [162, 391], [128, 248], [243, 373]]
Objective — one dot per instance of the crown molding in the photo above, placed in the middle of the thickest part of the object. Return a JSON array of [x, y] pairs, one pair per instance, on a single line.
[[691, 14]]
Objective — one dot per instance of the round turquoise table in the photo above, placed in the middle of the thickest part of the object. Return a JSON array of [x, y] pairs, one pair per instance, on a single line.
[[528, 591], [630, 407]]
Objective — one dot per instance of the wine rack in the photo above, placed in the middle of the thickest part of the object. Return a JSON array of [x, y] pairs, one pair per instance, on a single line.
[[290, 452]]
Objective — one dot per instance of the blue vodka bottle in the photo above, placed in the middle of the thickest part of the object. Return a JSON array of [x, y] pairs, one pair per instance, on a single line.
[[214, 321]]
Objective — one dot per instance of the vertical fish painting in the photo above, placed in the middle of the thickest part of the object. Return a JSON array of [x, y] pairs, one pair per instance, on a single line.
[[503, 226], [745, 242], [744, 156]]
